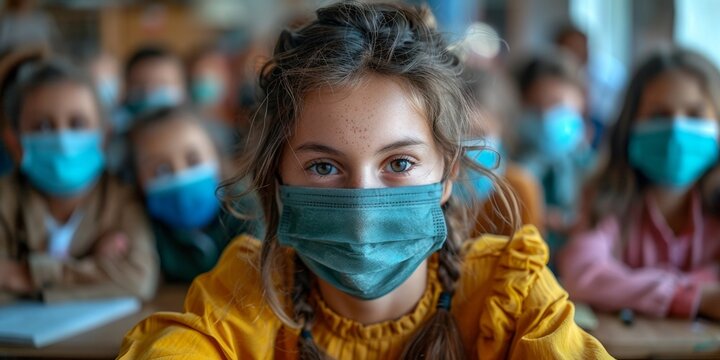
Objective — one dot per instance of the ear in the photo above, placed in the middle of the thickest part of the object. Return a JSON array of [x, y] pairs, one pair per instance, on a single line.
[[448, 184], [447, 191]]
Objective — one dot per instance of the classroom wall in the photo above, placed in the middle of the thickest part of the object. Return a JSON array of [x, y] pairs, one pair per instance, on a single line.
[[125, 28]]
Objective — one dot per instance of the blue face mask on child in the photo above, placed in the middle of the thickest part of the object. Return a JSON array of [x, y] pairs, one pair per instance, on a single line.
[[185, 200], [674, 152], [206, 91], [477, 185], [62, 163], [154, 99], [364, 242], [556, 132]]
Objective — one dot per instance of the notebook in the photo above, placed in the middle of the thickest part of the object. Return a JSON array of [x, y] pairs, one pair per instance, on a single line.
[[38, 324]]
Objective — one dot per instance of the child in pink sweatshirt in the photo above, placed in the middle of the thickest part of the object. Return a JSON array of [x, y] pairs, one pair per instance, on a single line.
[[649, 241]]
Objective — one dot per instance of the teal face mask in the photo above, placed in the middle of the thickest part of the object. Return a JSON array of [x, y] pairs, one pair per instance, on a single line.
[[554, 133], [185, 200], [364, 242], [63, 163], [478, 186], [206, 91], [160, 97], [674, 152]]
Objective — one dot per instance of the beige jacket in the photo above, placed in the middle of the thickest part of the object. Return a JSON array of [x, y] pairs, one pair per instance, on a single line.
[[111, 207]]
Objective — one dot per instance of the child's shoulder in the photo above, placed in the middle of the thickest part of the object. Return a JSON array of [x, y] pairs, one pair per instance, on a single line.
[[241, 256], [225, 313], [233, 286], [237, 273], [497, 260], [526, 244]]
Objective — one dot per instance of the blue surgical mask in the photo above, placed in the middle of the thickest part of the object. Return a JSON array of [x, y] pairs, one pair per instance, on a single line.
[[488, 157], [555, 132], [206, 90], [164, 96], [364, 242], [63, 163], [674, 152], [185, 200]]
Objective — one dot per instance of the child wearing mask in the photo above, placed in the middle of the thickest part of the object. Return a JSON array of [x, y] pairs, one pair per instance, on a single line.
[[210, 79], [493, 101], [358, 145], [551, 138], [104, 70], [67, 229], [649, 240], [209, 73], [154, 78], [179, 168]]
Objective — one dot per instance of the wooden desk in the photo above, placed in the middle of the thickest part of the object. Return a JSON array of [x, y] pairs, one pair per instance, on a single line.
[[658, 338], [103, 342]]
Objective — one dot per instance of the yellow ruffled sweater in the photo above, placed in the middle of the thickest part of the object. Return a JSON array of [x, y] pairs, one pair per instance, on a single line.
[[507, 305]]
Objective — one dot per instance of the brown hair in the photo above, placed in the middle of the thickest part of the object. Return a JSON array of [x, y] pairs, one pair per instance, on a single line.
[[346, 42], [617, 184]]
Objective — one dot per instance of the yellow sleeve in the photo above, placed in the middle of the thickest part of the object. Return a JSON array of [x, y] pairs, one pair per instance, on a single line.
[[547, 330], [527, 314], [225, 316]]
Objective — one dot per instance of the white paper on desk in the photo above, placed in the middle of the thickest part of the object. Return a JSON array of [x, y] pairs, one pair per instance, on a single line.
[[38, 324]]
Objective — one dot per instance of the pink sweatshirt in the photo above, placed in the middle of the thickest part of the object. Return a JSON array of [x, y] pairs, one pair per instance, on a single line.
[[660, 273]]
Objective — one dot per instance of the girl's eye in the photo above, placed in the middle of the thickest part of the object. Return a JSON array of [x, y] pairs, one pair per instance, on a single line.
[[400, 165], [162, 170], [323, 169], [193, 158], [695, 112], [78, 122], [44, 125], [662, 113]]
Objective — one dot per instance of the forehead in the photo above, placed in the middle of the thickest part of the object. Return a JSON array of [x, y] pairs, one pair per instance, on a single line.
[[169, 135], [156, 67], [60, 95], [379, 109], [673, 87], [552, 83]]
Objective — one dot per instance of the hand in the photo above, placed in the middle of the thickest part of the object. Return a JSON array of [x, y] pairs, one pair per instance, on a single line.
[[710, 301], [113, 246], [16, 277]]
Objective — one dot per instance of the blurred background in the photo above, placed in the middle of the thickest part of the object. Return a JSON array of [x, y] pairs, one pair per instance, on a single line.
[[618, 32], [624, 29]]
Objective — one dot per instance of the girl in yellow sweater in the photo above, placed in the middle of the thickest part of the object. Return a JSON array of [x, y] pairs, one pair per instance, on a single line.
[[355, 151]]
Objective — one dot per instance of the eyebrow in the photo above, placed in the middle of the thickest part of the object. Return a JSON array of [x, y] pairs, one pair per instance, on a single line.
[[316, 147], [408, 142]]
